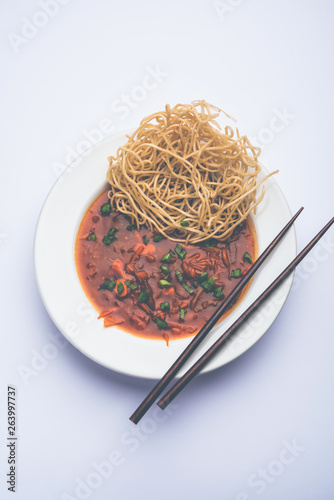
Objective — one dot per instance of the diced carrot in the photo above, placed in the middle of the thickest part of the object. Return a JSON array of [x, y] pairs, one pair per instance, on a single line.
[[106, 313], [112, 322], [144, 250], [144, 307], [195, 256], [169, 291], [141, 275], [159, 314], [138, 248], [125, 290]]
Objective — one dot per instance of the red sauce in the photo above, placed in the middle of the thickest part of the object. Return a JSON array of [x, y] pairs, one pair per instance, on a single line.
[[133, 260]]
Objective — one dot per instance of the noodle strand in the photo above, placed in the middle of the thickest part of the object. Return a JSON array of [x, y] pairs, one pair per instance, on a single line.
[[178, 168]]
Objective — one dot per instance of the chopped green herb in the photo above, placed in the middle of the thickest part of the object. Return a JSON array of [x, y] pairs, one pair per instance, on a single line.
[[120, 287], [161, 323], [180, 279], [105, 209], [184, 223], [208, 285], [203, 278], [164, 269], [165, 306], [131, 227], [236, 273], [182, 314], [108, 285], [179, 276], [91, 237], [145, 240], [108, 241], [211, 242], [247, 258], [157, 238], [171, 252], [187, 288], [218, 293], [164, 284], [180, 251], [143, 296], [110, 236], [131, 285], [167, 258]]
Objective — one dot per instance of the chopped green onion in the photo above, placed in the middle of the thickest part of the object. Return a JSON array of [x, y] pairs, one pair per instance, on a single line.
[[182, 314], [161, 323], [164, 284], [211, 242], [236, 273], [143, 296], [165, 306], [157, 238], [105, 209], [188, 288], [131, 285], [108, 285], [180, 279], [131, 227], [120, 287], [110, 236], [247, 258], [184, 223], [91, 237], [208, 285], [179, 276], [180, 251], [145, 240], [218, 293], [203, 278], [167, 258], [109, 241], [164, 269]]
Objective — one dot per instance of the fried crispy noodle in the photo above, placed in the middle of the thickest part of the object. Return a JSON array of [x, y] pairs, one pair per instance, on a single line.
[[179, 166]]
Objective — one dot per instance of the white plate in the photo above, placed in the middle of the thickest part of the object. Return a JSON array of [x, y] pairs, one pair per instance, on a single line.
[[76, 318]]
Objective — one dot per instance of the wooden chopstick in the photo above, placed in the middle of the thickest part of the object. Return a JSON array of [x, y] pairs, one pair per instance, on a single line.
[[215, 348], [176, 366]]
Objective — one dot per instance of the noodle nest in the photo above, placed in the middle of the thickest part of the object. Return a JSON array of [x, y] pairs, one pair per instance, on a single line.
[[181, 176]]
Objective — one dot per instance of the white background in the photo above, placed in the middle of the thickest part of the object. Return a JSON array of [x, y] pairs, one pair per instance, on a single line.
[[228, 435]]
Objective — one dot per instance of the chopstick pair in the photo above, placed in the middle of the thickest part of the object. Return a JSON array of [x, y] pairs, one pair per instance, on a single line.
[[213, 350]]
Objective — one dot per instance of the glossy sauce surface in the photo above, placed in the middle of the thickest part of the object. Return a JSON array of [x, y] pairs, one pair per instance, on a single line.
[[120, 271]]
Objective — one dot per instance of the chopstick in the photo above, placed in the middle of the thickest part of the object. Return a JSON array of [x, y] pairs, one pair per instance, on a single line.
[[184, 356], [215, 348]]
